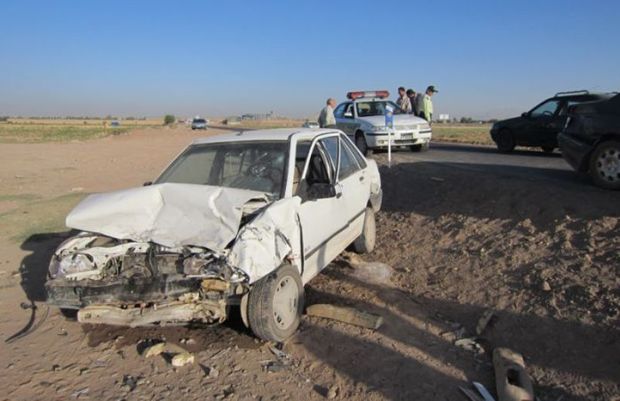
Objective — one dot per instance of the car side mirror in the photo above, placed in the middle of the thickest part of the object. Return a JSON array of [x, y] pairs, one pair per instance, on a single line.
[[146, 184], [320, 190]]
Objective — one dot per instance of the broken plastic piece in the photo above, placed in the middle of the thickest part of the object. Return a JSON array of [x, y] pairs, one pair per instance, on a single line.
[[511, 379], [483, 391]]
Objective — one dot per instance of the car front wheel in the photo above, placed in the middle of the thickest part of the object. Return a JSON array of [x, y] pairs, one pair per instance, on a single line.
[[275, 304], [605, 165], [365, 243], [360, 142], [505, 141]]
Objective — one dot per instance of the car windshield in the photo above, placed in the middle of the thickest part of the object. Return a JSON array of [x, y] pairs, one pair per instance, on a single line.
[[375, 108], [257, 166], [199, 121]]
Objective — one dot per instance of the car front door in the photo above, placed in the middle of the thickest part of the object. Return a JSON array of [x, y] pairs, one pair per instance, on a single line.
[[542, 124], [323, 222], [345, 118]]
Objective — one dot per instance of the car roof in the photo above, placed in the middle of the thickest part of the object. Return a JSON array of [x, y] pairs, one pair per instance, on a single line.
[[278, 134]]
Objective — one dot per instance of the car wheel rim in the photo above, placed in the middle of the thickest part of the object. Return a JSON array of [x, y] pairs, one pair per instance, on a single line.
[[285, 301], [608, 165]]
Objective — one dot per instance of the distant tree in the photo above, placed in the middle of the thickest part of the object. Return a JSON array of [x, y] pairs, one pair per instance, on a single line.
[[169, 119], [466, 120]]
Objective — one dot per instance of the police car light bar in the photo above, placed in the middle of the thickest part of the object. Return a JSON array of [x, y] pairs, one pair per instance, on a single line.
[[360, 94]]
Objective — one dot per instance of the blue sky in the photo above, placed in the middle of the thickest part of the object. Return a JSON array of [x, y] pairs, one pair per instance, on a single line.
[[487, 58]]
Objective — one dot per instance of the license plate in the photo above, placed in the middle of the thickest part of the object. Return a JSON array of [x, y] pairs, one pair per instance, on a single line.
[[406, 136]]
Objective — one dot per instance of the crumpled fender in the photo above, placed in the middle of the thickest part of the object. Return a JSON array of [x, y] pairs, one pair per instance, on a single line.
[[270, 238]]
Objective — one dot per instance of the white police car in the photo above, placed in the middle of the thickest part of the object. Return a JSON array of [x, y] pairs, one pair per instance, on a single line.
[[362, 118]]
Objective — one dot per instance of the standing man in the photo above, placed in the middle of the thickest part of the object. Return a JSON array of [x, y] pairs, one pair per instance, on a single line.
[[425, 104], [326, 116], [403, 101], [411, 95]]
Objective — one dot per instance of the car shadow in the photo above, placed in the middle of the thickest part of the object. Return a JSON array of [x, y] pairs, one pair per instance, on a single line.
[[34, 266], [487, 191], [402, 359], [489, 149]]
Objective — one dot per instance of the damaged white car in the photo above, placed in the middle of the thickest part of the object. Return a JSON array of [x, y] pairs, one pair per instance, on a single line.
[[243, 219]]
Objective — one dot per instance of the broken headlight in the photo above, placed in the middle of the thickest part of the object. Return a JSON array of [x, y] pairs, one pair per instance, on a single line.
[[71, 264]]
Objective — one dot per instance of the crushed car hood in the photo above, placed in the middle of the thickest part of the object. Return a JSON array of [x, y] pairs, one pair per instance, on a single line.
[[169, 214]]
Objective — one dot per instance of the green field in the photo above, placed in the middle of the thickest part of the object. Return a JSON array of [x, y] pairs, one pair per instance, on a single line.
[[36, 133], [463, 133], [33, 215]]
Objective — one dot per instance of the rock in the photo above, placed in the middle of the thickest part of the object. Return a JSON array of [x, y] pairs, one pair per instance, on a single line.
[[155, 350], [332, 392], [182, 359], [546, 286]]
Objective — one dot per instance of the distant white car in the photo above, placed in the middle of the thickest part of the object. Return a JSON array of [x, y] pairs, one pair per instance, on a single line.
[[199, 123], [311, 124], [243, 219], [362, 118]]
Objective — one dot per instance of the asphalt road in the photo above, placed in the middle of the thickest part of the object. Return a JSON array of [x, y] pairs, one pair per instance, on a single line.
[[524, 164]]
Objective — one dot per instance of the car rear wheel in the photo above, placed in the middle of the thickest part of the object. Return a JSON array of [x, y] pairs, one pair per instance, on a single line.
[[365, 243], [360, 142], [605, 165], [275, 304], [505, 141], [547, 149]]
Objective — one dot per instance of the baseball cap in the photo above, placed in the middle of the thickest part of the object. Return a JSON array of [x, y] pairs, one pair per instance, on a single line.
[[432, 89]]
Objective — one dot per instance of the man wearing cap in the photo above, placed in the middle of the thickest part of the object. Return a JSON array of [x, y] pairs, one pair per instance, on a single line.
[[425, 104], [326, 116], [403, 101]]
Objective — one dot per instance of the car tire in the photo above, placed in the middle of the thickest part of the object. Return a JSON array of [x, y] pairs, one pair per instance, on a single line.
[[275, 304], [360, 142], [365, 243], [505, 141], [548, 149], [605, 165], [420, 147]]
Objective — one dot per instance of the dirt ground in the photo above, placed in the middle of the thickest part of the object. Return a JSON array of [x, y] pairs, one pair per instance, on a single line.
[[452, 243]]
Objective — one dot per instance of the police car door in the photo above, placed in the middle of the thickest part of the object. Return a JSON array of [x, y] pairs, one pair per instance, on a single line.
[[345, 118]]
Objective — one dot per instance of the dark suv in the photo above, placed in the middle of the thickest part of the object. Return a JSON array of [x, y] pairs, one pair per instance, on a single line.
[[540, 126], [590, 141]]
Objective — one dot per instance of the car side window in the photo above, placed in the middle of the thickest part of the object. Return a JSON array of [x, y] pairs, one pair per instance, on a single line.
[[339, 110], [348, 111], [548, 108], [361, 161], [348, 164]]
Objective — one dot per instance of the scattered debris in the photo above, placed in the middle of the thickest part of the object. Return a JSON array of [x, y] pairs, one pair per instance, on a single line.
[[80, 392], [438, 179], [470, 344], [332, 392], [512, 381], [546, 287], [273, 366], [470, 394], [346, 315], [154, 350], [279, 353], [484, 321], [130, 382], [182, 359], [483, 391]]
